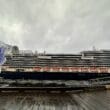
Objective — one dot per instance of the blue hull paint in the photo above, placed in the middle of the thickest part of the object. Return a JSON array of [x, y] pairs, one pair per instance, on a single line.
[[51, 76]]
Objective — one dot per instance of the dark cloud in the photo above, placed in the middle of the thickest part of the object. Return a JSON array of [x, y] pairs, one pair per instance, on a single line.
[[55, 25]]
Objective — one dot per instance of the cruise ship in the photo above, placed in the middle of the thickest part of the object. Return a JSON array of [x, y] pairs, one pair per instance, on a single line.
[[44, 66]]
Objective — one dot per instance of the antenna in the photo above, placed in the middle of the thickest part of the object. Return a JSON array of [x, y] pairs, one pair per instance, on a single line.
[[94, 48], [44, 52]]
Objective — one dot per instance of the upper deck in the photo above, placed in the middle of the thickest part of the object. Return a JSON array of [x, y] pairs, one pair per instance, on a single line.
[[86, 61]]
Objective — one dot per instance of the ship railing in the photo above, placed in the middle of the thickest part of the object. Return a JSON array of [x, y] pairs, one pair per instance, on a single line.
[[101, 81]]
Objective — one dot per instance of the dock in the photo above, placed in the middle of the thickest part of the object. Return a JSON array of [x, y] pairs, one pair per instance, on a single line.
[[55, 101]]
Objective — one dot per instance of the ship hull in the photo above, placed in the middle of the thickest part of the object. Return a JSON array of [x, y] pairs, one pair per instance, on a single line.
[[52, 76]]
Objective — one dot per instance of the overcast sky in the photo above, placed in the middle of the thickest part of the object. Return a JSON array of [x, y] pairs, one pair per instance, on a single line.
[[64, 26]]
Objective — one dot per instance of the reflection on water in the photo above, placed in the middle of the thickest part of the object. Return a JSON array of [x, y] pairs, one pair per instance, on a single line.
[[55, 101]]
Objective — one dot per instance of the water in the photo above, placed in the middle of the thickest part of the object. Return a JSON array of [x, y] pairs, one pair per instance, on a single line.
[[99, 100]]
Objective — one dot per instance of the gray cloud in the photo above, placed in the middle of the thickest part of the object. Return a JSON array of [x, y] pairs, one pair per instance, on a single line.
[[64, 26]]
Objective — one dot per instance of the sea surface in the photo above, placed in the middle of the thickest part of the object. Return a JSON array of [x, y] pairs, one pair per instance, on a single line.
[[92, 100]]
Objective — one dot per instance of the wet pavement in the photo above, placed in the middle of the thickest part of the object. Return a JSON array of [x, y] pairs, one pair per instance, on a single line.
[[99, 100]]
